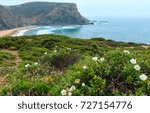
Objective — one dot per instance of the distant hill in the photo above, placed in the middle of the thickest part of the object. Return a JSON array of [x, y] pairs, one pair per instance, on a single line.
[[40, 13]]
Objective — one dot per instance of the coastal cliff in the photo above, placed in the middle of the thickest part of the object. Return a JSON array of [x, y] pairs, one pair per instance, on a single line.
[[40, 13], [7, 19]]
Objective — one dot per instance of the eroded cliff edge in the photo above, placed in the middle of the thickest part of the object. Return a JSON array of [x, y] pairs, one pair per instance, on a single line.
[[40, 13]]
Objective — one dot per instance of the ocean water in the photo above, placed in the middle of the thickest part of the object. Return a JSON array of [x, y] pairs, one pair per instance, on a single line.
[[118, 29]]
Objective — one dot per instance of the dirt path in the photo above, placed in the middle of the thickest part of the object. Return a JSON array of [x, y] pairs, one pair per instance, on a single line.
[[2, 81], [17, 61]]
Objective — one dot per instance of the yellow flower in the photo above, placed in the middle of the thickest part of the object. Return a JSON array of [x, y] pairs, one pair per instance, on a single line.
[[77, 81]]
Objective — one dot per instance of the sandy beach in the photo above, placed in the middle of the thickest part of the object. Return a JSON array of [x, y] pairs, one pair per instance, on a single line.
[[11, 32]]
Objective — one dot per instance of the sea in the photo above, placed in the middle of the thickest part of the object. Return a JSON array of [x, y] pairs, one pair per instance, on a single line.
[[118, 29]]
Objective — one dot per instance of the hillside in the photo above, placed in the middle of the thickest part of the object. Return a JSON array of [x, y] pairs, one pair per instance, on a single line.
[[58, 65], [7, 19], [40, 13]]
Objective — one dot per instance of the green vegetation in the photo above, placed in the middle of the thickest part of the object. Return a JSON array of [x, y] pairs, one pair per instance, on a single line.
[[5, 59], [59, 65]]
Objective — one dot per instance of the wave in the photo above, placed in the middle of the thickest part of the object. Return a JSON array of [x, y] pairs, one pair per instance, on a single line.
[[21, 32]]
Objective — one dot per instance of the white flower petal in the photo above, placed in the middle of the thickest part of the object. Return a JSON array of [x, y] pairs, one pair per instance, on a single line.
[[63, 92], [69, 93], [36, 63], [102, 59], [55, 51], [27, 65], [137, 67], [95, 58], [84, 67], [126, 51], [72, 88], [83, 84], [143, 77], [45, 53], [133, 61]]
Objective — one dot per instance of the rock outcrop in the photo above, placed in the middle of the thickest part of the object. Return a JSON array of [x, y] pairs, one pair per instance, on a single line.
[[40, 13]]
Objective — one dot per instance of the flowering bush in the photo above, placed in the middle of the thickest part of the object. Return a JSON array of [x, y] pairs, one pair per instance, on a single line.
[[58, 65], [115, 73]]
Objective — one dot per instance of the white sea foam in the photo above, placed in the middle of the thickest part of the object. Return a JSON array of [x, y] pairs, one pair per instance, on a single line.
[[68, 27], [44, 31], [20, 32], [71, 27]]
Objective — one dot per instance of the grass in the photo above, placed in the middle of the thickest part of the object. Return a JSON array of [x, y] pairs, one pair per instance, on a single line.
[[52, 63], [6, 59]]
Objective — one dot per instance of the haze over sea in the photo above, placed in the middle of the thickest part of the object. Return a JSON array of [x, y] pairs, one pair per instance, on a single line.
[[118, 29]]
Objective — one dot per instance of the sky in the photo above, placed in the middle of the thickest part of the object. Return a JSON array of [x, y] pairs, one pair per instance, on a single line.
[[102, 8]]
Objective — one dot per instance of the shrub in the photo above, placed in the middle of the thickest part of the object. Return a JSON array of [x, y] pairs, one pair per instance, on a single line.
[[32, 53], [32, 71], [112, 75], [62, 59], [24, 88]]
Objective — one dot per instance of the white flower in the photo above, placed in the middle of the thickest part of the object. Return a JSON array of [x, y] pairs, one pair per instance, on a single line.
[[143, 77], [83, 84], [55, 51], [137, 67], [69, 48], [45, 53], [126, 51], [95, 58], [84, 67], [27, 65], [72, 88], [69, 93], [133, 61], [36, 63], [102, 59], [63, 92], [77, 81]]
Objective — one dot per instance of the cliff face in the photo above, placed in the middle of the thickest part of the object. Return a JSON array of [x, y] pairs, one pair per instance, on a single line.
[[40, 13], [7, 19]]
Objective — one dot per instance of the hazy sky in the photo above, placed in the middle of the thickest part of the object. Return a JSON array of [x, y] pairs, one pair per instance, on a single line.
[[102, 8]]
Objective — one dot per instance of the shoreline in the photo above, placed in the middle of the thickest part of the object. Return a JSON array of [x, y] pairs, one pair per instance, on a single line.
[[11, 32], [14, 32]]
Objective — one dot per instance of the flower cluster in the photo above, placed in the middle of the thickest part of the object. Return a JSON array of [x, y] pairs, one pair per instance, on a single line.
[[143, 77], [69, 91], [69, 49], [96, 59]]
